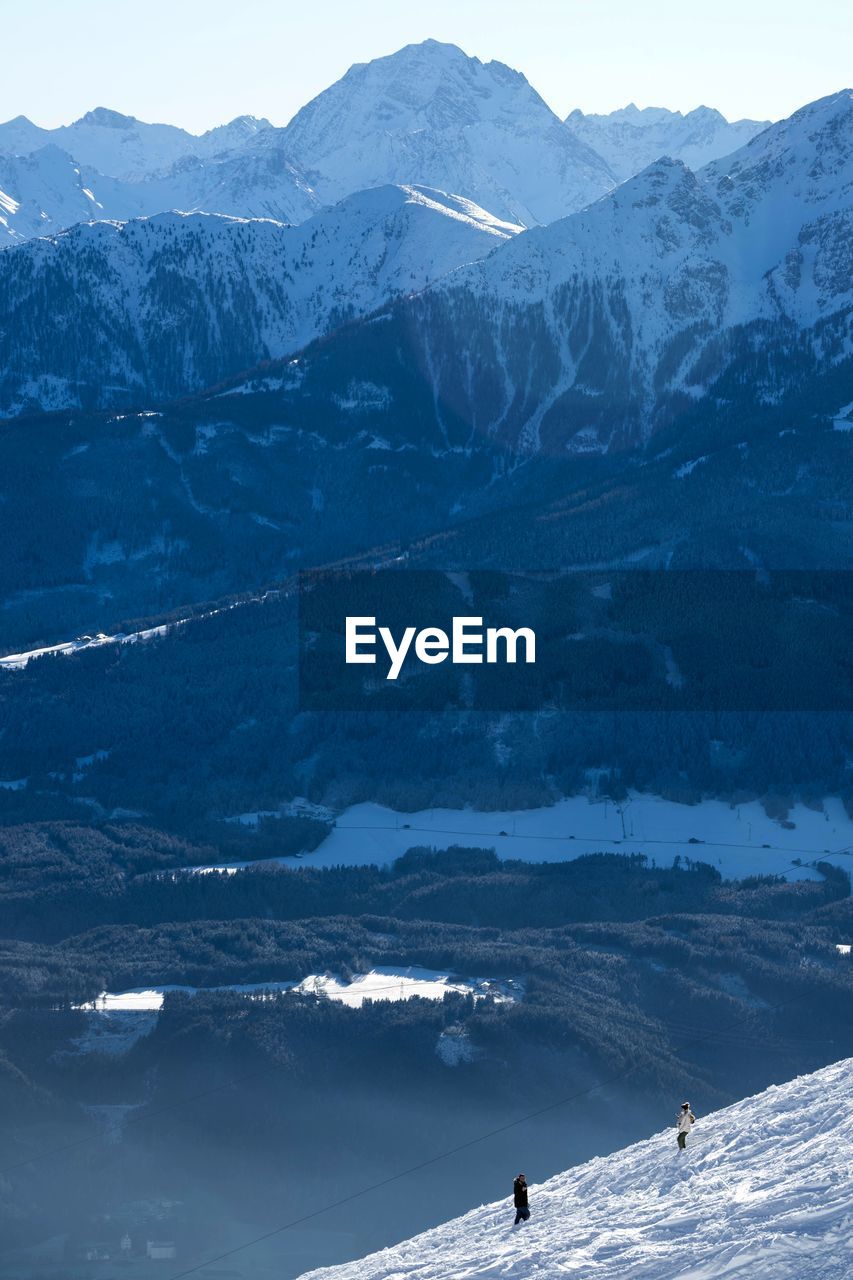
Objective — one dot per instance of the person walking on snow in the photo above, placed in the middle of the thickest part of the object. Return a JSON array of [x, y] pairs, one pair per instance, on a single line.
[[683, 1122], [519, 1195]]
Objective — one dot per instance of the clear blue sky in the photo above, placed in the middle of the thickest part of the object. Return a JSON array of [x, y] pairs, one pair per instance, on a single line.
[[200, 62]]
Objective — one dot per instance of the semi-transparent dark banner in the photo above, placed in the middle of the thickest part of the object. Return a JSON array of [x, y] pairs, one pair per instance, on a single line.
[[685, 640]]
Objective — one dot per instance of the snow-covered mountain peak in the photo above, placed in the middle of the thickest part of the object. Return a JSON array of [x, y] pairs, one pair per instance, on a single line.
[[763, 1190], [658, 219], [21, 136], [106, 118], [706, 115], [414, 73], [828, 117], [636, 299], [427, 85], [246, 125], [121, 147], [460, 209], [429, 114], [47, 179]]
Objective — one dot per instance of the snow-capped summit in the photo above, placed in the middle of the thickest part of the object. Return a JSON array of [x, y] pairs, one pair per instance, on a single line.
[[763, 1192], [115, 144], [429, 114], [790, 191], [226, 136], [631, 138], [107, 119]]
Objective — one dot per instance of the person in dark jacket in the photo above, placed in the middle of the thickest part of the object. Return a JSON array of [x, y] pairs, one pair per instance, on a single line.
[[519, 1195]]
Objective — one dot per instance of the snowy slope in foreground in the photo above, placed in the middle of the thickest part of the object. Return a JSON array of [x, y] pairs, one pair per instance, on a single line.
[[764, 1192]]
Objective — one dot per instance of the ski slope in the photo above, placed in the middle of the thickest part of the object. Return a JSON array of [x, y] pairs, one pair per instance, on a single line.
[[764, 1191]]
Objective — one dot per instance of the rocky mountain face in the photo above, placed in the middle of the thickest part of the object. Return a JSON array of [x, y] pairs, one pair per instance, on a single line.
[[114, 313], [631, 139]]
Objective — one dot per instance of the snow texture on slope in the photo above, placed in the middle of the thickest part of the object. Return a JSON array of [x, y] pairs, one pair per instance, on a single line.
[[763, 1192]]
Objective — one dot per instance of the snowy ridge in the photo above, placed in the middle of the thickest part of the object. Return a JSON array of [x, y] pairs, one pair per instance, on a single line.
[[123, 146], [48, 190], [104, 305], [741, 215], [631, 139], [762, 1192]]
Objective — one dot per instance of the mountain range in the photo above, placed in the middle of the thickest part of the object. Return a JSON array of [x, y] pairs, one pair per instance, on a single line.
[[428, 115], [123, 146], [111, 313], [48, 190], [592, 333], [685, 331]]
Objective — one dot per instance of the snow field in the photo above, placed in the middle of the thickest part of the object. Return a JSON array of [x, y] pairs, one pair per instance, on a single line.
[[737, 840]]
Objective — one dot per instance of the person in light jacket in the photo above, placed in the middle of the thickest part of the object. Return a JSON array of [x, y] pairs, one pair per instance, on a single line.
[[519, 1195], [684, 1120]]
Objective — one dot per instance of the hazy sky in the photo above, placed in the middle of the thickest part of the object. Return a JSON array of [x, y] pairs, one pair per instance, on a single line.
[[200, 62]]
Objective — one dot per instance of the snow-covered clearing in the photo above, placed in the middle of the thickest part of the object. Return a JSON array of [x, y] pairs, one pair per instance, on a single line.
[[763, 1192], [739, 840], [382, 983], [117, 1019]]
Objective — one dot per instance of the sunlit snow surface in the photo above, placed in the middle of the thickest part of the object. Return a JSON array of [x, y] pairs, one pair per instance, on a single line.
[[764, 1192], [738, 840]]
